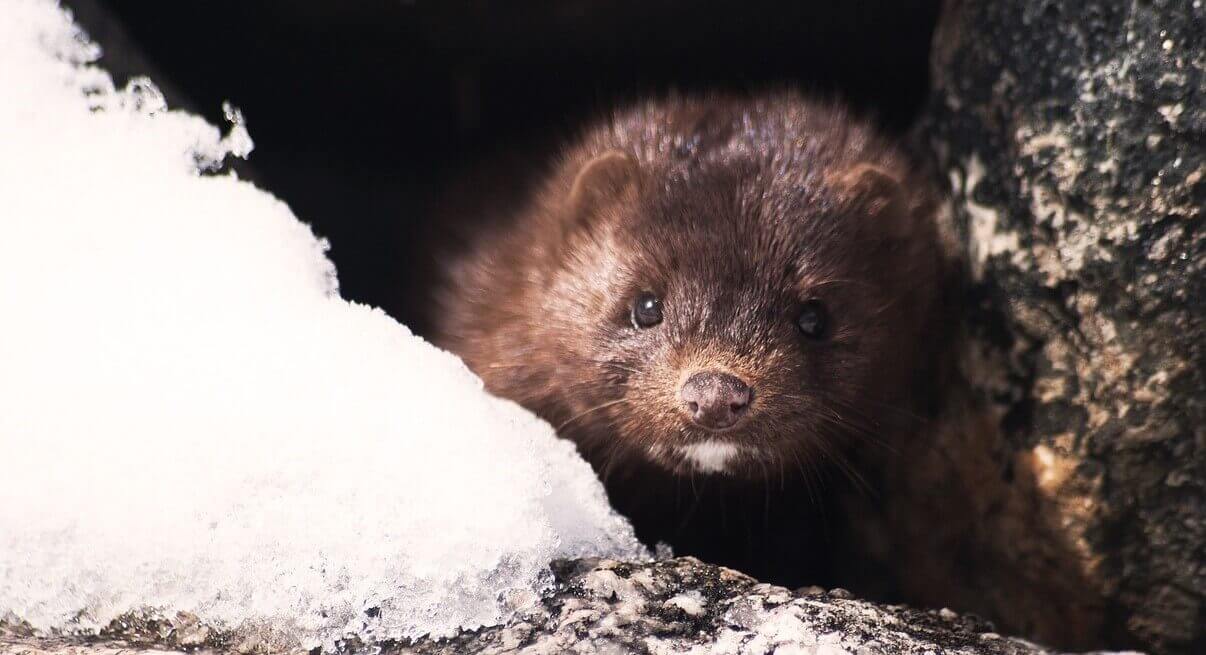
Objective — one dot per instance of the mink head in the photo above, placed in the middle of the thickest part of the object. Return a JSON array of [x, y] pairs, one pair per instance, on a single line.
[[714, 286]]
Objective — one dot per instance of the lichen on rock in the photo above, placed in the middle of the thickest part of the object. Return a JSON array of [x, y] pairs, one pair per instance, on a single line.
[[1072, 134]]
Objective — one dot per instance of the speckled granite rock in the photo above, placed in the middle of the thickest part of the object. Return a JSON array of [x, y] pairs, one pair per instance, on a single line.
[[1073, 135], [672, 606]]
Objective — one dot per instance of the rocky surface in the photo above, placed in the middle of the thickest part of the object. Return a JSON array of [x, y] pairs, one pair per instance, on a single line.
[[1072, 134], [671, 606]]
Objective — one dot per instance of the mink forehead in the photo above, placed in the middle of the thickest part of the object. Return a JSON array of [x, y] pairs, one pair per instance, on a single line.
[[788, 136], [731, 224]]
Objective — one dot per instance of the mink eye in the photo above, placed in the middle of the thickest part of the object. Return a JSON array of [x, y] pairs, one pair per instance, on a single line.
[[646, 310], [813, 319]]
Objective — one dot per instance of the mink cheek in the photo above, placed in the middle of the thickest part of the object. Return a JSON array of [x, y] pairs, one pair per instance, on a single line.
[[616, 377]]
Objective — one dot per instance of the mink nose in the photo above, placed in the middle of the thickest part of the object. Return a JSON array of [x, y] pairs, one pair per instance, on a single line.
[[715, 400]]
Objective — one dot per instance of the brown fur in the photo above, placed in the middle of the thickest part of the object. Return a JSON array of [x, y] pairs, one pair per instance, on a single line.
[[734, 212]]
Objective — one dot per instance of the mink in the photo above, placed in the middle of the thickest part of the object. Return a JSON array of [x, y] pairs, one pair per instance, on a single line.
[[746, 288]]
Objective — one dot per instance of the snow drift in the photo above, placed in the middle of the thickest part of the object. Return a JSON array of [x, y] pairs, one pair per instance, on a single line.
[[192, 419]]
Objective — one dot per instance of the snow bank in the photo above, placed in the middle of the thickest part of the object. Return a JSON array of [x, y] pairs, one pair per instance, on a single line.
[[192, 419]]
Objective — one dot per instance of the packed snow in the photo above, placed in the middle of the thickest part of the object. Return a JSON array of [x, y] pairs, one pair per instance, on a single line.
[[192, 418]]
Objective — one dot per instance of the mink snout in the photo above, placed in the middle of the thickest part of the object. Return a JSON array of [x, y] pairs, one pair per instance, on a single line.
[[715, 400]]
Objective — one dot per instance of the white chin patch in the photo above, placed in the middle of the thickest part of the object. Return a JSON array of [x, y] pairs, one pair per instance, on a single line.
[[709, 456]]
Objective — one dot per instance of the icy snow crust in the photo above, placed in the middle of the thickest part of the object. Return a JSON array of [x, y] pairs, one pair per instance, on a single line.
[[192, 419]]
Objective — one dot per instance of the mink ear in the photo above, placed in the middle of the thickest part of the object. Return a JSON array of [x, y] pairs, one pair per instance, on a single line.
[[878, 195], [605, 178], [870, 187]]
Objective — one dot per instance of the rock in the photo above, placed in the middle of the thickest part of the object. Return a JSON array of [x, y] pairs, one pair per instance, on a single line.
[[1071, 482], [671, 606], [60, 647]]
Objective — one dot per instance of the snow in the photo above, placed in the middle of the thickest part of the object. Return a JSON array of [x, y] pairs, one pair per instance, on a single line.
[[192, 419]]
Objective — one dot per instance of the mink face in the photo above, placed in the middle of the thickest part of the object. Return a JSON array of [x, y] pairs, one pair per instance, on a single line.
[[710, 285]]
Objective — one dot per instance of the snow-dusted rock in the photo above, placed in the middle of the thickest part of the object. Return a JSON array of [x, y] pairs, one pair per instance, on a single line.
[[603, 606]]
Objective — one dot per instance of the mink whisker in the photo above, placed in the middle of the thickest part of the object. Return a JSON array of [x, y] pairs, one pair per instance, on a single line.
[[592, 409]]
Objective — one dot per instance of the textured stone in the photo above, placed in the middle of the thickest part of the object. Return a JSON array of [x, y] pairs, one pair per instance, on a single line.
[[1072, 135], [599, 606]]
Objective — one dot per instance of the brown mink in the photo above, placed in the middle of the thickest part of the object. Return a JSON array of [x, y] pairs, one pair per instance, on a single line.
[[705, 288]]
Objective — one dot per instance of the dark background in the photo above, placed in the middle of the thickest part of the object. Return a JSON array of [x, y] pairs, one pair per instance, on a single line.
[[367, 114]]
